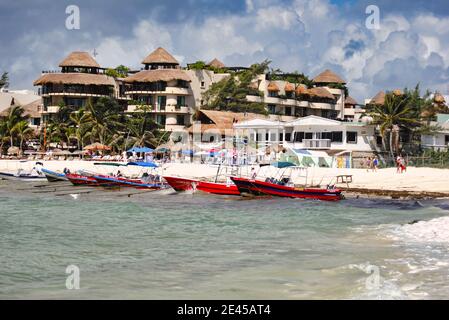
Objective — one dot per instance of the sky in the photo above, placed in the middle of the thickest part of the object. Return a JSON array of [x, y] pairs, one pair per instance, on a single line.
[[410, 45]]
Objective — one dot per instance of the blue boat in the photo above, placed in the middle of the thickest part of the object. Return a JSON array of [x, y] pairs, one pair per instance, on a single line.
[[53, 176]]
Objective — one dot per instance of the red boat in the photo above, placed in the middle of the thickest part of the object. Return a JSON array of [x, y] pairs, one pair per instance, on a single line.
[[126, 182], [184, 184], [280, 189], [80, 180]]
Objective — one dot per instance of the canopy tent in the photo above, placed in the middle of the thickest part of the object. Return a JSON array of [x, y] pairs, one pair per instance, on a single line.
[[140, 149], [143, 164], [282, 164], [308, 158]]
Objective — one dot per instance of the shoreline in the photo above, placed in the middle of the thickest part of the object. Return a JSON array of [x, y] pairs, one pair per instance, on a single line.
[[416, 183]]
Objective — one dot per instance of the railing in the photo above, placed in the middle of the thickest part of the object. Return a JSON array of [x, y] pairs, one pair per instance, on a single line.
[[317, 143], [81, 90]]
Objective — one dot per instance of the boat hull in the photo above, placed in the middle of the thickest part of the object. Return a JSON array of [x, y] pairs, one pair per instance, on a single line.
[[257, 188], [53, 176], [184, 184], [180, 184], [124, 182], [79, 180], [24, 177]]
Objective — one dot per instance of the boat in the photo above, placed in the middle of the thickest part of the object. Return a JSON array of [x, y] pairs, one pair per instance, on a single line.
[[257, 187], [185, 184], [282, 186], [215, 187], [22, 176], [105, 180], [53, 176], [81, 180]]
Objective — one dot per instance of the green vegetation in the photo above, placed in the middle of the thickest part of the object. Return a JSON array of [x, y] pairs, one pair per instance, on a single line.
[[4, 80], [230, 93], [14, 129], [120, 72], [201, 65], [400, 118], [102, 121], [295, 77]]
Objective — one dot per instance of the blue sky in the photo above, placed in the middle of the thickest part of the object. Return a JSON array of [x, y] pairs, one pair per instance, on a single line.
[[411, 46]]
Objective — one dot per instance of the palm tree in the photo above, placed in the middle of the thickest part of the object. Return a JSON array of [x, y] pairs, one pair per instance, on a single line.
[[14, 116], [23, 131], [3, 134], [82, 121], [105, 120], [395, 114]]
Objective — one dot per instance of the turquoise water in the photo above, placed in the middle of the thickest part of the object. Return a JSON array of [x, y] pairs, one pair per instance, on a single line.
[[162, 245]]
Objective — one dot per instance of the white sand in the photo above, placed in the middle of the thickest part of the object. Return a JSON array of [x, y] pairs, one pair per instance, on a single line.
[[415, 179]]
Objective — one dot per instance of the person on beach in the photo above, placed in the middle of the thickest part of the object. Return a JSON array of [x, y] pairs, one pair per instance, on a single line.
[[398, 164], [375, 164], [253, 174], [402, 165], [368, 163]]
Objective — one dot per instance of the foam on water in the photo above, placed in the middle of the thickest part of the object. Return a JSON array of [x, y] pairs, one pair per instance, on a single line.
[[430, 232]]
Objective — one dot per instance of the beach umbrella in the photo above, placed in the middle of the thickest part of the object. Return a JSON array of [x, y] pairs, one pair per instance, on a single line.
[[145, 149], [282, 164], [143, 164], [162, 150], [13, 150], [187, 152], [96, 147]]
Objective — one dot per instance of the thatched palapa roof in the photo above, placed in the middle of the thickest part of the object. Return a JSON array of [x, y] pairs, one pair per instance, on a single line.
[[79, 59], [216, 64], [160, 55], [158, 75], [75, 78], [328, 76], [350, 101], [320, 92], [30, 110], [301, 89], [272, 86], [222, 120], [289, 87], [379, 98]]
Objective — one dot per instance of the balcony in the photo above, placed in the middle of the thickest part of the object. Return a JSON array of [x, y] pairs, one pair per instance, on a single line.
[[317, 143], [49, 109], [77, 91], [158, 109], [160, 90]]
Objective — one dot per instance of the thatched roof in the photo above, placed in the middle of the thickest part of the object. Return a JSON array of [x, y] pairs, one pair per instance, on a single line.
[[398, 92], [30, 109], [75, 78], [158, 75], [350, 101], [321, 92], [160, 55], [378, 99], [79, 59], [289, 87], [272, 86], [301, 89], [438, 98], [328, 76], [216, 64], [223, 120]]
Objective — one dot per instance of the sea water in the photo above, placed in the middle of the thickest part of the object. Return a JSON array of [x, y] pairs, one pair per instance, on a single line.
[[164, 245]]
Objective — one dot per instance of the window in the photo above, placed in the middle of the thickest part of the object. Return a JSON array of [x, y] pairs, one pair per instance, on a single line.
[[288, 136], [160, 119], [379, 140], [337, 136], [273, 94], [326, 135], [180, 120], [446, 139], [162, 102], [308, 135], [181, 101], [298, 136], [351, 137], [289, 94], [74, 102], [203, 84], [288, 111], [272, 108]]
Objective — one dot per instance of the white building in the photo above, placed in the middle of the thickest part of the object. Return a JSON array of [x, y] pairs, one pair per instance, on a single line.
[[440, 139], [322, 141]]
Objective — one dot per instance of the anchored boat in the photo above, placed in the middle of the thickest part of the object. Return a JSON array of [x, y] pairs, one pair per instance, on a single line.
[[53, 176], [282, 185]]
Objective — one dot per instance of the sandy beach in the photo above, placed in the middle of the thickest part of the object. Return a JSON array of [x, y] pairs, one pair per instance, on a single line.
[[414, 180]]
